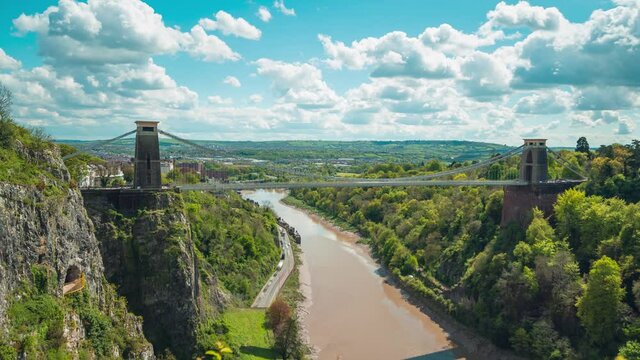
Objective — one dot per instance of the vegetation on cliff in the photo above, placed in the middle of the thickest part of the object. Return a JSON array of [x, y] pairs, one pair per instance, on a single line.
[[42, 325], [236, 238], [564, 287], [25, 154], [43, 230]]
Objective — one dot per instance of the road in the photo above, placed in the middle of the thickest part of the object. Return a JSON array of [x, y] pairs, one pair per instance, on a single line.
[[272, 288]]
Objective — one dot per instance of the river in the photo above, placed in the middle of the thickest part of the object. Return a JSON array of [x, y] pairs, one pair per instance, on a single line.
[[351, 312]]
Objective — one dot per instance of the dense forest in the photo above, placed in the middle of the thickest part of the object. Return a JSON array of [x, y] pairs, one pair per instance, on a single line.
[[237, 238], [564, 287]]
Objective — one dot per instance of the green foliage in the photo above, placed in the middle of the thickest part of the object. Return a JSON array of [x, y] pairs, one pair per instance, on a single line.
[[517, 286], [615, 171], [630, 351], [582, 145], [7, 352], [22, 153], [36, 321], [236, 238], [599, 305]]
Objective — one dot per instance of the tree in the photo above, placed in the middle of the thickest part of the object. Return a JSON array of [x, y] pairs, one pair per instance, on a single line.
[[286, 330], [127, 173], [277, 314], [540, 235], [5, 102], [582, 145], [7, 128], [287, 340], [598, 306]]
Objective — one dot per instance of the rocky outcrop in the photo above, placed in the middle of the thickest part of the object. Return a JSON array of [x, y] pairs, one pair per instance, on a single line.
[[51, 231], [47, 227], [151, 256]]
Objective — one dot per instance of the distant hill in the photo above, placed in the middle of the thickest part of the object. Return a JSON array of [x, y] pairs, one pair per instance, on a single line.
[[303, 150]]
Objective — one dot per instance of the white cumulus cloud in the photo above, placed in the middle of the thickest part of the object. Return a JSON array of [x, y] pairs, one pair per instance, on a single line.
[[7, 62], [232, 81], [218, 100], [229, 25], [264, 14], [279, 4], [111, 31], [545, 102], [255, 98], [523, 14], [298, 83]]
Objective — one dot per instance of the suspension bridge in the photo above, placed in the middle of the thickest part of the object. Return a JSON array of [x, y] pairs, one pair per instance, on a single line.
[[533, 168]]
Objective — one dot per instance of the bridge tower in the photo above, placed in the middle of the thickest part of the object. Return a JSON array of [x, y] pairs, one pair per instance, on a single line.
[[541, 193], [147, 160], [533, 163]]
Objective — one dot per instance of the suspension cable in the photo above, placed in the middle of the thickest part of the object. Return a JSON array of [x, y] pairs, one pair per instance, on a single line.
[[567, 164], [95, 144], [191, 143], [479, 164]]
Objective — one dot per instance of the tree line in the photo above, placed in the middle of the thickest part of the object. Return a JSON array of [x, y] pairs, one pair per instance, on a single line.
[[563, 287]]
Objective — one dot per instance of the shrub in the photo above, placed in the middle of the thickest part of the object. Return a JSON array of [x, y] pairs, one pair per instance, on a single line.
[[7, 352], [7, 133]]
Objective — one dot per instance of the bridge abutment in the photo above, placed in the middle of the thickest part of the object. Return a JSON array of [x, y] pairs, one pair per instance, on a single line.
[[519, 201], [126, 201]]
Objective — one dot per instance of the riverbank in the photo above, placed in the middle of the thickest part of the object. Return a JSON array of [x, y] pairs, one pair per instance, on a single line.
[[292, 291], [472, 344]]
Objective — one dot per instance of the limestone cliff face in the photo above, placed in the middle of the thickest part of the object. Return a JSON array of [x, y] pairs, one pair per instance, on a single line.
[[50, 231], [46, 227], [40, 229], [151, 256]]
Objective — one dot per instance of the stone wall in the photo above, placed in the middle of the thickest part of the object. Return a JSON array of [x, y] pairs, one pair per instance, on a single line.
[[520, 200]]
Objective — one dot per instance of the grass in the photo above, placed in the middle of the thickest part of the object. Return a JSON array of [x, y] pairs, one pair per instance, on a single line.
[[246, 328], [291, 290], [348, 175]]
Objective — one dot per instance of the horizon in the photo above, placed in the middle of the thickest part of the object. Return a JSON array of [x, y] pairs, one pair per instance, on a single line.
[[327, 71]]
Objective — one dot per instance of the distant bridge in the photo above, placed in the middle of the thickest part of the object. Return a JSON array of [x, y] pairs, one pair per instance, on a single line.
[[536, 189], [533, 168]]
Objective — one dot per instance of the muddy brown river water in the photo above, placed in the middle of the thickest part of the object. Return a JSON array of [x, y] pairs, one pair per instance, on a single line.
[[351, 312]]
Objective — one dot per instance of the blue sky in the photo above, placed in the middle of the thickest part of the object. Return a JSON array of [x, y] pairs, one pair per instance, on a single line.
[[262, 70]]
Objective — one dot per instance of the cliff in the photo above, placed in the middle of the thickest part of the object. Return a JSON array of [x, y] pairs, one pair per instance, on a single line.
[[150, 255], [47, 240]]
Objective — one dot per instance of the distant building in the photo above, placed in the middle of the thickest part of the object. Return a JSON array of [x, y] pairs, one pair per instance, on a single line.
[[166, 167], [101, 175], [216, 175], [190, 167]]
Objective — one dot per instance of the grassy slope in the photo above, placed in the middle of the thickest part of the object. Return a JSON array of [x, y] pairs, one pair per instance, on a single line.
[[246, 328]]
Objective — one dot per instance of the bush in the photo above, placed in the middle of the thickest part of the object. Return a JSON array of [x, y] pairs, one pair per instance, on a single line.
[[7, 133], [7, 352], [99, 330], [630, 350]]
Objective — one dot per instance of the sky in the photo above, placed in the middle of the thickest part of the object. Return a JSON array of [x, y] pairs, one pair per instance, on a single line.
[[326, 69]]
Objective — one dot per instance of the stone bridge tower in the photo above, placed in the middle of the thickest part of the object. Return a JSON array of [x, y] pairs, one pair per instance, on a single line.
[[539, 192], [533, 163], [147, 160]]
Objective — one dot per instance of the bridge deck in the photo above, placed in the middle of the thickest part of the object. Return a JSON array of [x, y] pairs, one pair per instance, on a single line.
[[348, 184]]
